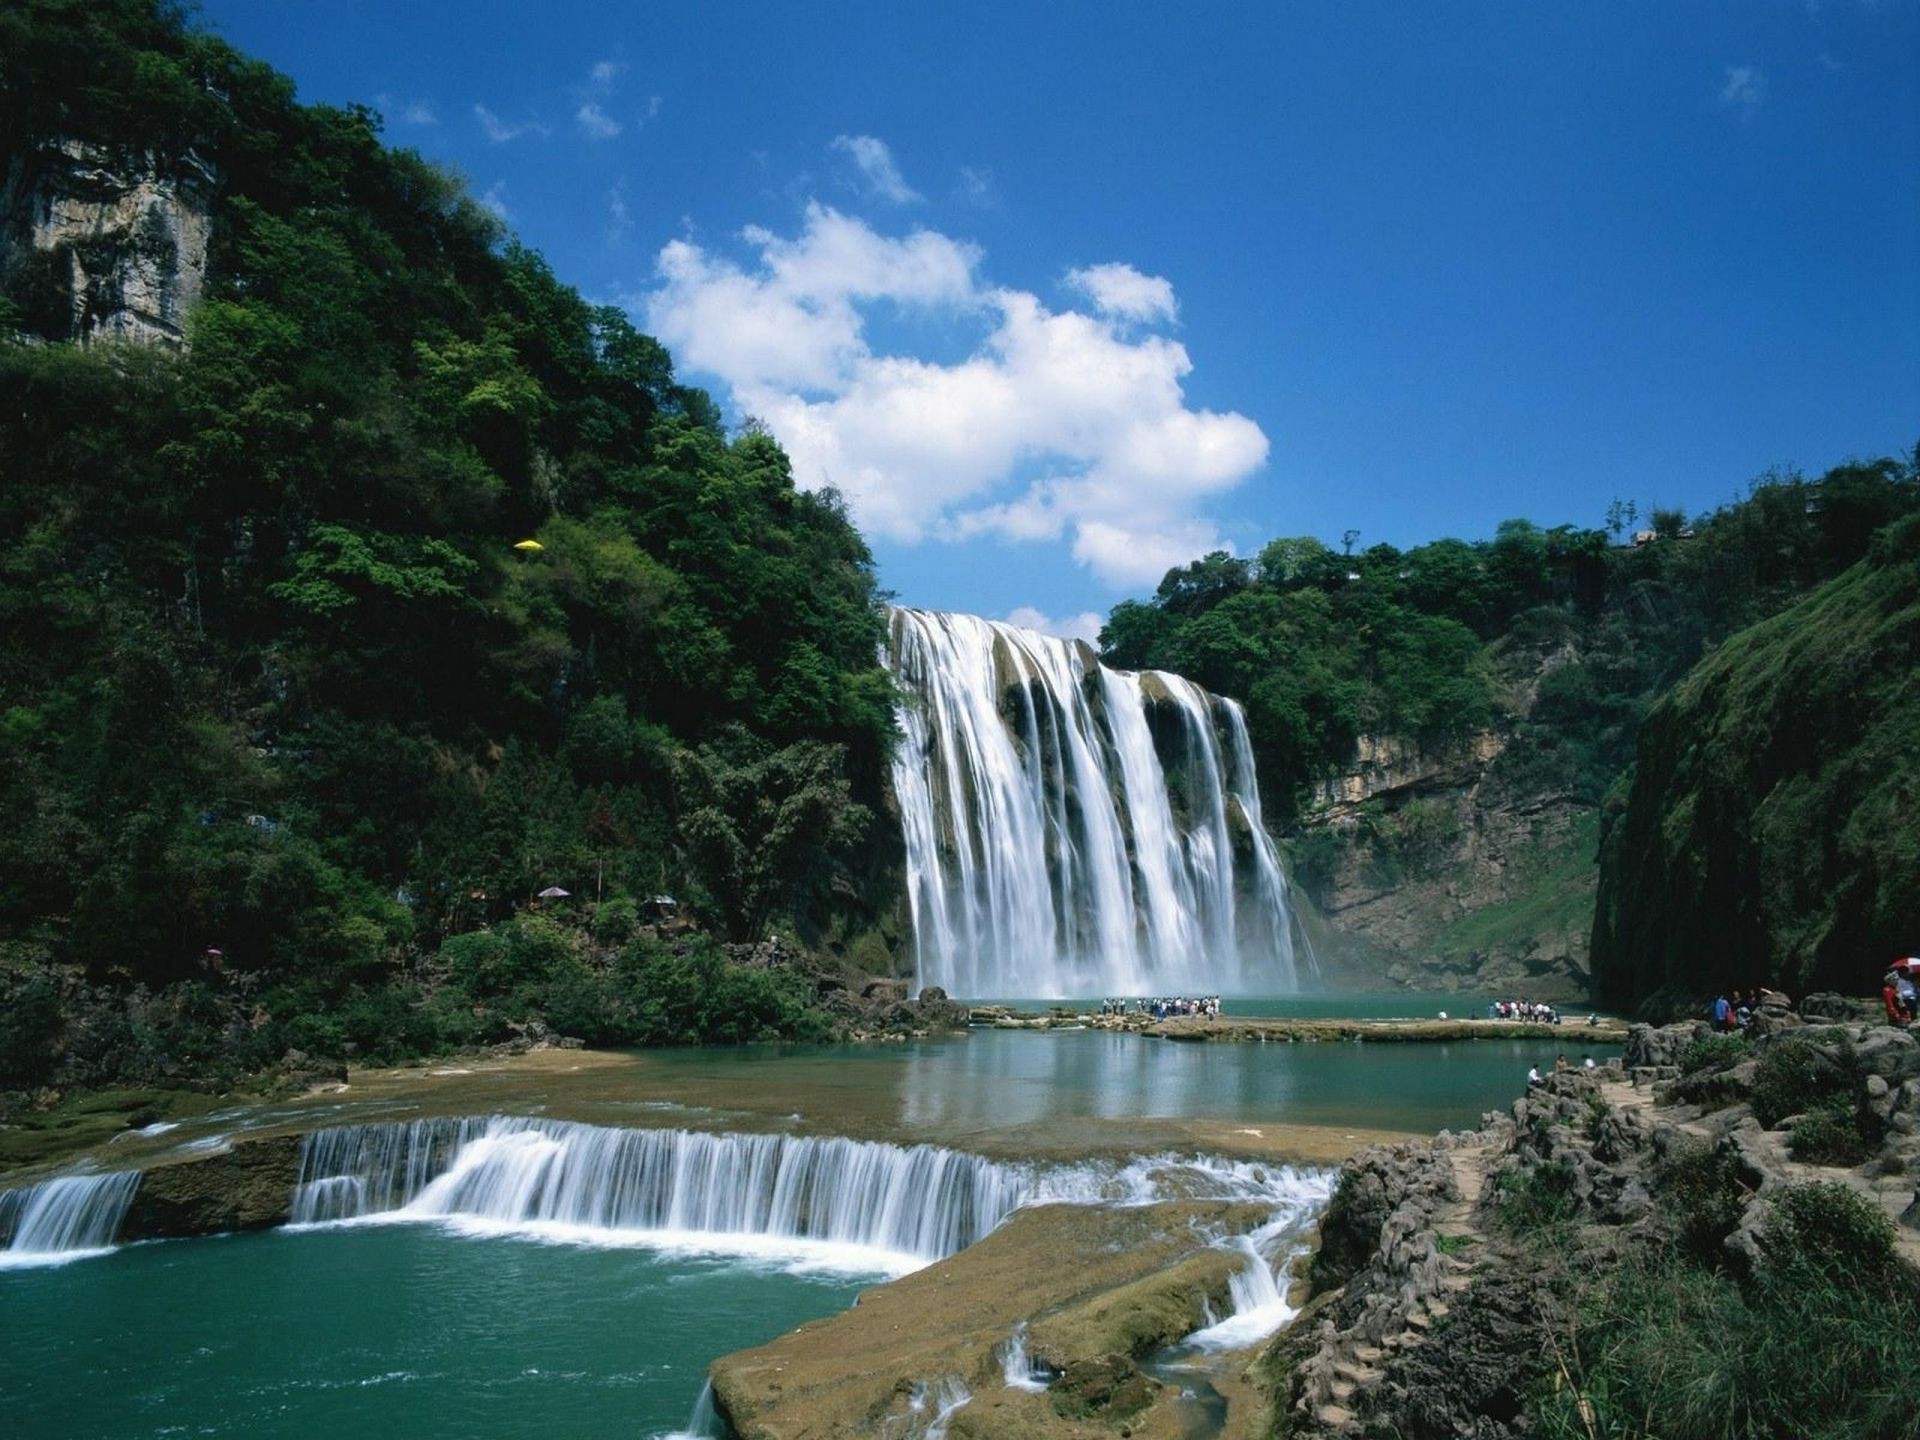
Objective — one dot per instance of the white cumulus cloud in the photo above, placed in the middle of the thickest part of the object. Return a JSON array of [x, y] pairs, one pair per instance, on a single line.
[[1054, 425], [1124, 293], [1084, 626], [875, 162]]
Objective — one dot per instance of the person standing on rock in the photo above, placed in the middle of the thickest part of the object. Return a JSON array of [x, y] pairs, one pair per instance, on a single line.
[[1722, 1012]]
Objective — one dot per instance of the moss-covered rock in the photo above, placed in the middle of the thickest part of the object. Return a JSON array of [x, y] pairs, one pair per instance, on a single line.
[[249, 1187]]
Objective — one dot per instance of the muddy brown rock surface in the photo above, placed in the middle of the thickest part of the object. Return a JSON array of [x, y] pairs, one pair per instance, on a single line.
[[249, 1187], [1099, 1286]]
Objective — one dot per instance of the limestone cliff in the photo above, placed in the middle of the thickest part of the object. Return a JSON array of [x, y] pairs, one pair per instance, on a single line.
[[1461, 866], [99, 244]]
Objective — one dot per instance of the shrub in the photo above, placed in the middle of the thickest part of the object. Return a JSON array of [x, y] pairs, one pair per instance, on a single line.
[[616, 921], [1537, 1197], [1702, 1188], [1714, 1051], [1829, 1134], [1828, 1226], [1791, 1079]]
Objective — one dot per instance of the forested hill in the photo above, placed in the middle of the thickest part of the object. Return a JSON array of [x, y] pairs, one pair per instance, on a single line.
[[1444, 726], [1770, 834], [287, 709]]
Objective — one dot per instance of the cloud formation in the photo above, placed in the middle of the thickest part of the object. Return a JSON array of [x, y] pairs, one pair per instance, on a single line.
[[1084, 626], [501, 131], [1124, 293], [596, 122], [1057, 425], [874, 160], [1744, 88]]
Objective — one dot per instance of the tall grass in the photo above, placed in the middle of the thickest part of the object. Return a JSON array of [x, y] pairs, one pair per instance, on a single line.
[[1818, 1344]]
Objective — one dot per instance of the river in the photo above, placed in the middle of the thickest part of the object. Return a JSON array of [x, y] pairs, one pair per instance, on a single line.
[[454, 1327]]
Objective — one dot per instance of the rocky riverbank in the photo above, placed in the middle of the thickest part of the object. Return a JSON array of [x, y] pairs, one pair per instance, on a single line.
[[1282, 1030], [1481, 1284]]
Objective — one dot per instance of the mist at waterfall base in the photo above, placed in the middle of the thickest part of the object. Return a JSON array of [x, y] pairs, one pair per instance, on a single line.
[[1072, 829]]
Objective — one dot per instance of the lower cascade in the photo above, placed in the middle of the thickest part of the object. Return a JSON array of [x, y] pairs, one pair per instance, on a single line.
[[914, 1204], [65, 1218], [1075, 830], [881, 1206]]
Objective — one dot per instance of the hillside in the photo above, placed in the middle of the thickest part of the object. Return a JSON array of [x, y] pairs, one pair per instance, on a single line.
[[1768, 836], [1441, 726], [359, 581]]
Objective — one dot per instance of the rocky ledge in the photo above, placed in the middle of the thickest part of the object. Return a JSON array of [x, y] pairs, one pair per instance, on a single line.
[[1093, 1290], [1451, 1272]]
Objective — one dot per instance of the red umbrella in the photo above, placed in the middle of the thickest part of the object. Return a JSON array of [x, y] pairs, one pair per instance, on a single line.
[[1910, 964]]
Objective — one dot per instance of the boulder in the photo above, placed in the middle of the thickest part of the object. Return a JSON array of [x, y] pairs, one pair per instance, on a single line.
[[1651, 1047]]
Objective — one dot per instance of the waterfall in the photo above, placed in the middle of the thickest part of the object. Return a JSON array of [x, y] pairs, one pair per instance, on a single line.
[[871, 1205], [1258, 1290], [864, 1205], [1018, 1369], [66, 1218], [1074, 830], [705, 1422]]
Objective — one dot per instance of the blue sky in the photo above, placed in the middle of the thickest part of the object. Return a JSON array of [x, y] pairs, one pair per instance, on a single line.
[[1059, 294]]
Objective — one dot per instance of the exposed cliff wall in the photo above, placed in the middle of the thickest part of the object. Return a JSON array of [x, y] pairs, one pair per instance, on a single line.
[[96, 243], [1455, 867], [1769, 833]]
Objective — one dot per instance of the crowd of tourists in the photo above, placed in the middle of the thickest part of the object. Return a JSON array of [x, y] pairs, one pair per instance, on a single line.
[[1536, 1013], [1736, 1013], [1160, 1007]]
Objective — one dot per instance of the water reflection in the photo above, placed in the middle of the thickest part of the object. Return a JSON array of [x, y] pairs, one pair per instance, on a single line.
[[996, 1079]]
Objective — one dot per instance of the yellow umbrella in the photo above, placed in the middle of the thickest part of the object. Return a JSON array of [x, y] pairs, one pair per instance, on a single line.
[[531, 547]]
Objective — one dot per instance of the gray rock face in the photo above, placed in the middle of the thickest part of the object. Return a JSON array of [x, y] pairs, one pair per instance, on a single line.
[[105, 246]]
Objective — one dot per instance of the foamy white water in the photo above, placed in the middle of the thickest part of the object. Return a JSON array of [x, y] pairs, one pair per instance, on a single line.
[[800, 1203], [1072, 829], [66, 1218]]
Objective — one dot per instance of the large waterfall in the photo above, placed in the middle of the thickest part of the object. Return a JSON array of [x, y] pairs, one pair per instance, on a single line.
[[1074, 830], [65, 1218]]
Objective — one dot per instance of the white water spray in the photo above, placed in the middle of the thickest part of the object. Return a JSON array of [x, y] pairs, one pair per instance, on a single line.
[[69, 1217], [1018, 1370], [1258, 1290], [1073, 830]]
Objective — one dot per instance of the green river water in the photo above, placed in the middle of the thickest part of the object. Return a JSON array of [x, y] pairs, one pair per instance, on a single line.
[[410, 1330]]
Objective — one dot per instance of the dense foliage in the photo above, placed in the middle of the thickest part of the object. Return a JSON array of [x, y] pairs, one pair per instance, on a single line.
[[1768, 835], [275, 680], [1429, 643]]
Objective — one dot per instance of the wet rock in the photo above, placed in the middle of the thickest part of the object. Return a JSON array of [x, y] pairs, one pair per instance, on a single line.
[[249, 1187], [1110, 1386], [939, 1012]]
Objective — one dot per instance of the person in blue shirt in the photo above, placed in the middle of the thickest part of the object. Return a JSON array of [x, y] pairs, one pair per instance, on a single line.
[[1722, 1012]]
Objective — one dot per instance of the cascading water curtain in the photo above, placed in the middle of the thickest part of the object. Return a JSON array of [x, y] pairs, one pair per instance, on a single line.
[[1074, 830]]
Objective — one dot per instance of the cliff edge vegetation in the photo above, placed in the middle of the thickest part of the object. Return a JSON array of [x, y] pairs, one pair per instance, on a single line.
[[410, 586], [1440, 727], [1768, 834]]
